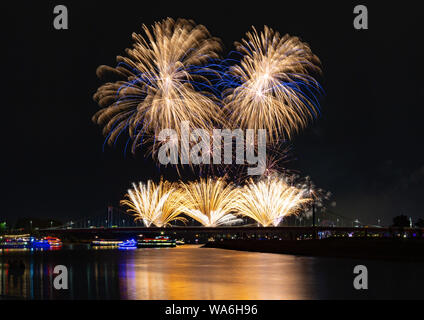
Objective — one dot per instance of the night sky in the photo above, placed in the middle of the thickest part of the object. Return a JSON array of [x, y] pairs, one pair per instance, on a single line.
[[366, 148]]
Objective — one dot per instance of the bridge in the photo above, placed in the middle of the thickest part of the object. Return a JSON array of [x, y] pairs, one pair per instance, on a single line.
[[194, 234], [116, 224], [117, 218]]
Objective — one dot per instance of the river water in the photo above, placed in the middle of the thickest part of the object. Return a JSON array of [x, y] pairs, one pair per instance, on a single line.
[[192, 272]]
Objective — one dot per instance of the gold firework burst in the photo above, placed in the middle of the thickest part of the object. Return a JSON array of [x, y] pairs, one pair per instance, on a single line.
[[153, 203], [209, 201], [162, 84], [273, 90], [270, 200]]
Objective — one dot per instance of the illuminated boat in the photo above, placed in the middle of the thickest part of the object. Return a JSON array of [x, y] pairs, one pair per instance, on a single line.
[[157, 242], [53, 242], [28, 242], [16, 243], [105, 243], [39, 244], [129, 244]]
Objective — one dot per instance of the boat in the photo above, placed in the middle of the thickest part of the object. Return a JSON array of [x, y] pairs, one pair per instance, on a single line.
[[129, 244], [53, 242], [39, 244], [29, 242], [105, 243], [16, 243], [157, 242]]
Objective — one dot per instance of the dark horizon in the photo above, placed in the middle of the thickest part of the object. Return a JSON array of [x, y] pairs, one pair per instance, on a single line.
[[365, 148]]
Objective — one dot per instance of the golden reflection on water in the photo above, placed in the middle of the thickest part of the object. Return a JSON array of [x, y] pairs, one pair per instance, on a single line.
[[199, 273], [190, 272], [181, 273]]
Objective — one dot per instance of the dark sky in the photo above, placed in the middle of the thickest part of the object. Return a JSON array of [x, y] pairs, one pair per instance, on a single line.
[[366, 148]]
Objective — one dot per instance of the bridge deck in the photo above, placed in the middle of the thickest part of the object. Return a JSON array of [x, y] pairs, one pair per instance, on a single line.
[[226, 229]]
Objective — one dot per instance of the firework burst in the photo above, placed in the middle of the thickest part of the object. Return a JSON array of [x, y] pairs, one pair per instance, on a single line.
[[163, 82], [155, 204], [269, 200], [271, 87], [319, 197], [209, 201]]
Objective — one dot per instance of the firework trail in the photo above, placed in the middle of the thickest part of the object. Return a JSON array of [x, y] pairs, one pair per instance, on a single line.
[[271, 87], [209, 201], [163, 82], [269, 200], [155, 204]]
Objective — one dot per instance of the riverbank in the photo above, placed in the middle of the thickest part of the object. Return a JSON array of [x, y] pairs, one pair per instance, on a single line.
[[356, 248]]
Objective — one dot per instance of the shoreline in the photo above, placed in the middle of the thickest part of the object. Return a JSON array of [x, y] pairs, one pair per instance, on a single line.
[[356, 248]]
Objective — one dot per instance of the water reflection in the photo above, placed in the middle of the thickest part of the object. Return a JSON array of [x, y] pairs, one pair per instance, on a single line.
[[190, 272], [212, 274], [13, 277]]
